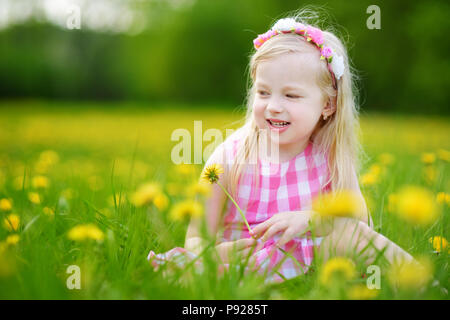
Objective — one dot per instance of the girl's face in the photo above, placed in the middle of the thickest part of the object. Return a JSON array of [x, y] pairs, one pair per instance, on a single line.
[[288, 102]]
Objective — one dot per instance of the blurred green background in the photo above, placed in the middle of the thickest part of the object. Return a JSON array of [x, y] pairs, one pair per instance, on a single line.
[[196, 51]]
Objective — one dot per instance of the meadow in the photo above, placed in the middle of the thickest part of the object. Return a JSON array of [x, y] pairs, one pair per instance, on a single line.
[[71, 182]]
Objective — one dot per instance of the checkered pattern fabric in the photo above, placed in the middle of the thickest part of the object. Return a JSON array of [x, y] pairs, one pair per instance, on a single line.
[[281, 187]]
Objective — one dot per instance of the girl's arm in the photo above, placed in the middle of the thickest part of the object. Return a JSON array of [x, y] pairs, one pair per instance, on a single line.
[[195, 239]]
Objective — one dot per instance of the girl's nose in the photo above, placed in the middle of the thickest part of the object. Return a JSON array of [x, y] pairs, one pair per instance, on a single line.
[[274, 107]]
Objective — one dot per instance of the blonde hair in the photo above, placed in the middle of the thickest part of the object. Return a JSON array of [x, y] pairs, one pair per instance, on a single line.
[[338, 134]]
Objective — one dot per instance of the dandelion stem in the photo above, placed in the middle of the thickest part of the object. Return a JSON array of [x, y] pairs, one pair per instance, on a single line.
[[237, 206]]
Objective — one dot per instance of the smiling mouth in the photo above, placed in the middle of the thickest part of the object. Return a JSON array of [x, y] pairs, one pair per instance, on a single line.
[[278, 124]]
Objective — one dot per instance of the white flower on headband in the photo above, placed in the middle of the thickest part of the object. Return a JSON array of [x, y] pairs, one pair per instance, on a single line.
[[286, 24], [337, 64]]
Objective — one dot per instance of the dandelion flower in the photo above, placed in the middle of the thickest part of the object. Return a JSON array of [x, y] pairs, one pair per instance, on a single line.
[[428, 157], [12, 222], [12, 239], [34, 197], [345, 203], [410, 275], [49, 157], [85, 232], [187, 208], [145, 194], [161, 201], [443, 197], [337, 268], [40, 182], [48, 212], [200, 188], [417, 205], [362, 292], [368, 179], [211, 173], [5, 204], [439, 243]]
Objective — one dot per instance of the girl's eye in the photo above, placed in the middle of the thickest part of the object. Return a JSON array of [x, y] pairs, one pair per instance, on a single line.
[[263, 93], [292, 96]]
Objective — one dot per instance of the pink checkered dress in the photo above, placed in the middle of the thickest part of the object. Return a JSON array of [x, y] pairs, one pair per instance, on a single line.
[[282, 187]]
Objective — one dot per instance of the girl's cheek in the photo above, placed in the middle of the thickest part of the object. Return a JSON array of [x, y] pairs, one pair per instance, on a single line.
[[258, 111]]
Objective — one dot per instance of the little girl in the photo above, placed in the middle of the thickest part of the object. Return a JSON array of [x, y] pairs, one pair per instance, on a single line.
[[299, 141]]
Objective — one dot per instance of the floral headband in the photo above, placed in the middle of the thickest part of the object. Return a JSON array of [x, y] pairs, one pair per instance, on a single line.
[[335, 62]]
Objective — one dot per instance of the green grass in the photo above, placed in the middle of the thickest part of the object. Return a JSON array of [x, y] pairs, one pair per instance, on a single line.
[[105, 149]]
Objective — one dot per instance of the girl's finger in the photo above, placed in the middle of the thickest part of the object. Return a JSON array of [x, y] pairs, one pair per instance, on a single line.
[[260, 228], [273, 230], [244, 243], [287, 236]]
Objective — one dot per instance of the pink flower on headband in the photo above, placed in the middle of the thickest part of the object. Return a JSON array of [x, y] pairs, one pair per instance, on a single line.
[[326, 52], [315, 35]]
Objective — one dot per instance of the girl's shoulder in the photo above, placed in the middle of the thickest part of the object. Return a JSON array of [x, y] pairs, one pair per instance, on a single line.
[[225, 153]]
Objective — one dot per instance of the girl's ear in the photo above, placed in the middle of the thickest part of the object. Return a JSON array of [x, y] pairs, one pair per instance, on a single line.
[[329, 108]]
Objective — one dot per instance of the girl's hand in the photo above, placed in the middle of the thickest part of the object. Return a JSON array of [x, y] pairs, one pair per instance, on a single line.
[[241, 247], [292, 224]]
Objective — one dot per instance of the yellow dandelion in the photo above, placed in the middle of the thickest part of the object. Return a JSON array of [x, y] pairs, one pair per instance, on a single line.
[[48, 212], [428, 157], [212, 173], [49, 157], [11, 222], [337, 268], [410, 275], [345, 203], [12, 239], [386, 159], [161, 201], [40, 182], [443, 197], [361, 292], [368, 179], [5, 204], [200, 188], [187, 208], [444, 155], [376, 169], [439, 243], [34, 197], [417, 205], [145, 194], [85, 232]]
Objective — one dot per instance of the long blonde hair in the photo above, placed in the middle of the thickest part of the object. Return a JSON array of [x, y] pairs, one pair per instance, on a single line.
[[338, 134]]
